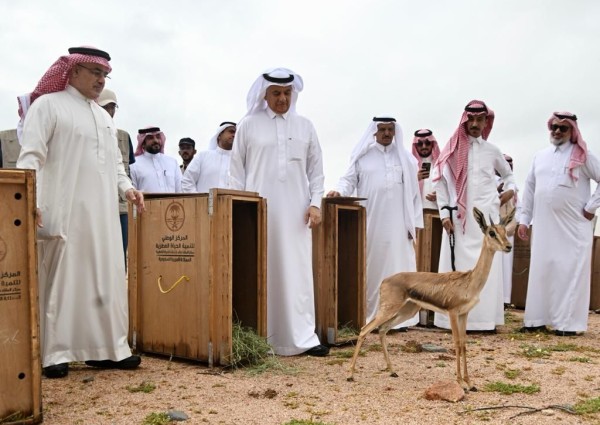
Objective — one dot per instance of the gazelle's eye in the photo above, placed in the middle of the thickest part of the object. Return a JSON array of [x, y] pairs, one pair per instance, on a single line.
[[492, 234]]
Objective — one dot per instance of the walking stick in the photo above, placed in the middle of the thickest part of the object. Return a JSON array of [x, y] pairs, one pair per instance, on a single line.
[[451, 235]]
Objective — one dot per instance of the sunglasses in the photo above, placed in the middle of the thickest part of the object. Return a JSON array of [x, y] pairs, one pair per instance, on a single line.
[[562, 128], [421, 143]]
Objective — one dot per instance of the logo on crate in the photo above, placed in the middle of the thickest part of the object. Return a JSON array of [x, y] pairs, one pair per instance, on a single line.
[[175, 216], [2, 249]]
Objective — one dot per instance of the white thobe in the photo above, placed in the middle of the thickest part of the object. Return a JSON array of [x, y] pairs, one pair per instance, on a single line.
[[72, 144], [428, 188], [558, 290], [378, 176], [482, 192], [208, 169], [279, 157], [156, 173]]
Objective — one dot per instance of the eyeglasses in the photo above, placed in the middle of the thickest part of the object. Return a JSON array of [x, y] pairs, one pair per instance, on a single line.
[[562, 128], [421, 143], [96, 72]]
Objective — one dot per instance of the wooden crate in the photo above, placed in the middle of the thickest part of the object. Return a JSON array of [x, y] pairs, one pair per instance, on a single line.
[[522, 254], [20, 364], [427, 248], [339, 269], [595, 281], [197, 262], [9, 144], [520, 271], [429, 242]]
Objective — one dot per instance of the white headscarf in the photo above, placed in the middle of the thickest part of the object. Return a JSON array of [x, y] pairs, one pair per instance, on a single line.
[[413, 206], [255, 101], [214, 143]]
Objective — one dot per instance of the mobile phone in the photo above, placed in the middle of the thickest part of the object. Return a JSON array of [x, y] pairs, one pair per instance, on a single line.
[[426, 166]]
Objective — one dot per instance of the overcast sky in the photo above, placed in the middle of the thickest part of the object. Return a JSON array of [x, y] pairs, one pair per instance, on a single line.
[[185, 66]]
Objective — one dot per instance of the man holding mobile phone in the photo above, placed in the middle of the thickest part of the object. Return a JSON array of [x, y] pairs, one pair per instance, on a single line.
[[425, 148]]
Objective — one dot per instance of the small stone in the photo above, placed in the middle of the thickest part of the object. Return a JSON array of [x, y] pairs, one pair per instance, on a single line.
[[87, 379], [432, 348], [177, 415], [445, 390]]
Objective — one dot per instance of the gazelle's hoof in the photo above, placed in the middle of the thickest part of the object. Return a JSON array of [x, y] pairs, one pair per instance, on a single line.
[[473, 388], [394, 375], [350, 379]]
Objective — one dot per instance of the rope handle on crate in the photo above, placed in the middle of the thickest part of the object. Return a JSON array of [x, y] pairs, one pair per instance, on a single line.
[[173, 286]]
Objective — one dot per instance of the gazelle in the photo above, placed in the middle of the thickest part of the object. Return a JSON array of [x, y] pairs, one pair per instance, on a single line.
[[453, 293]]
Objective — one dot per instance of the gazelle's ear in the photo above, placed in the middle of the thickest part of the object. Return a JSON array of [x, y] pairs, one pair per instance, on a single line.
[[509, 217], [480, 219]]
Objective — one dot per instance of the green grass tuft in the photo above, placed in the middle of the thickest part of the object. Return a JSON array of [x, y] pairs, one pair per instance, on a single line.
[[531, 351], [157, 419], [512, 373], [249, 349], [507, 389], [144, 387], [591, 405]]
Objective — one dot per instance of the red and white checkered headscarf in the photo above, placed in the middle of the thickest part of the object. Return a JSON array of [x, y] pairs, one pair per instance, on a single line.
[[149, 131], [57, 77], [579, 152], [456, 153], [425, 134]]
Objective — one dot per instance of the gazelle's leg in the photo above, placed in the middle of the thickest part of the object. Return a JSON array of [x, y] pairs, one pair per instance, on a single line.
[[456, 338], [407, 311], [462, 323], [379, 319]]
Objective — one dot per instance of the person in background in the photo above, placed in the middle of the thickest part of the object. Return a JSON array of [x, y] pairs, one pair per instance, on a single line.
[[426, 150], [557, 199], [209, 169], [508, 257], [187, 150], [108, 101], [71, 143], [153, 171]]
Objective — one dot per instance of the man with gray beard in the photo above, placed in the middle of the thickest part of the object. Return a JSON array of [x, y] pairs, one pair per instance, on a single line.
[[557, 199]]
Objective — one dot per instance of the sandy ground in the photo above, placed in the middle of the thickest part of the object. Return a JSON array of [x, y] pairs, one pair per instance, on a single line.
[[565, 368]]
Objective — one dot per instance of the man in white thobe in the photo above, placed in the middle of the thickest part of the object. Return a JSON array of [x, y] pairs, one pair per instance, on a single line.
[[71, 142], [384, 172], [210, 168], [153, 171], [557, 199], [426, 150], [465, 177], [276, 153]]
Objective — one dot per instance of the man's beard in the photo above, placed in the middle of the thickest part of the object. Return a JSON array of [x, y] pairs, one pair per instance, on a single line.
[[153, 149], [558, 142]]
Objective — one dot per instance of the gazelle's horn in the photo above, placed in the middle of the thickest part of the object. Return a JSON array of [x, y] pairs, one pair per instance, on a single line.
[[491, 221]]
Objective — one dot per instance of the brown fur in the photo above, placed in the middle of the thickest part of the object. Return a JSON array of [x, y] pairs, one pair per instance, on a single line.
[[402, 295]]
